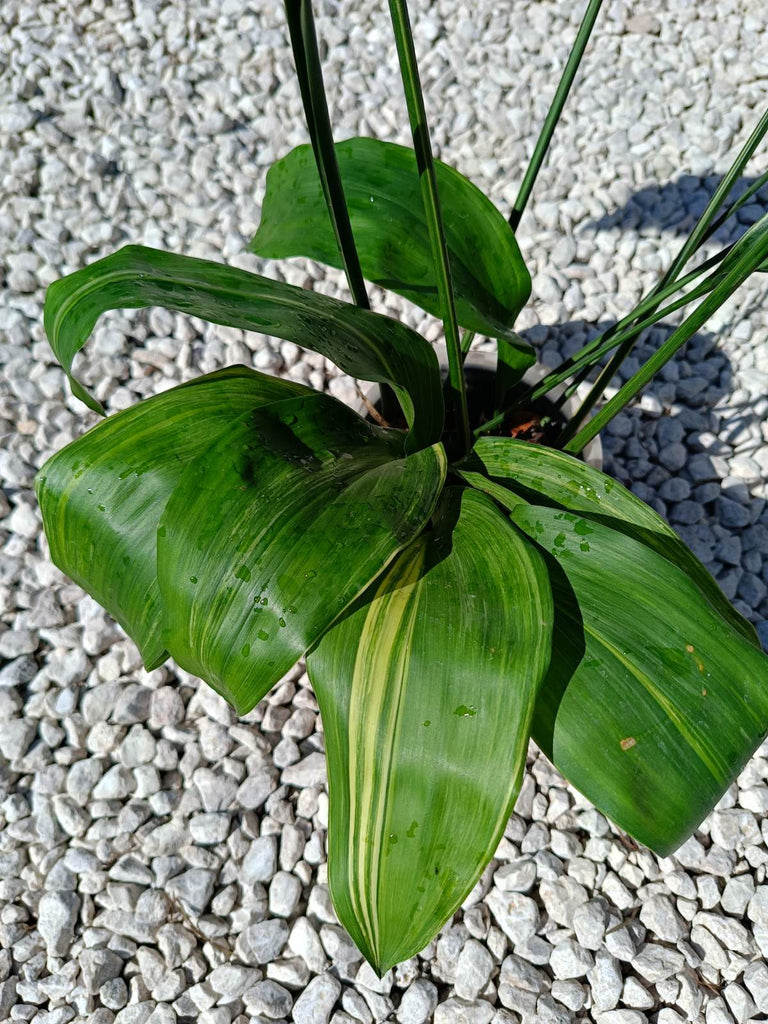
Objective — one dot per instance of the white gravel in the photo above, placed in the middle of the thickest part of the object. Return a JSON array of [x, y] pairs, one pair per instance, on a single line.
[[161, 861]]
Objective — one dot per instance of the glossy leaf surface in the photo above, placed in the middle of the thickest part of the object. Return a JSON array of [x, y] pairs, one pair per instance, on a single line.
[[534, 471], [275, 529], [426, 689], [102, 496], [652, 704], [381, 183], [363, 344]]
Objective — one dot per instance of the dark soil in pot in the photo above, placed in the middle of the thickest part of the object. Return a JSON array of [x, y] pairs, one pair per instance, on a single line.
[[540, 423]]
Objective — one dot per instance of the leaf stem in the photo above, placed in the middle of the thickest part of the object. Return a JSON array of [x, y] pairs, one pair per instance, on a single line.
[[629, 327], [756, 185], [555, 110], [466, 342], [409, 72], [748, 254], [594, 350], [704, 227], [721, 193], [301, 26]]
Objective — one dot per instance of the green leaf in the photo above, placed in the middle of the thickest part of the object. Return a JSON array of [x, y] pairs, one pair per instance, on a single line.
[[652, 704], [546, 476], [102, 496], [426, 689], [381, 183], [275, 529], [363, 344]]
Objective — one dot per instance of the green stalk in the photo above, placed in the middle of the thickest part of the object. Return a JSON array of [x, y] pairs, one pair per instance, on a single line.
[[747, 256], [414, 98], [555, 110], [466, 342], [704, 227], [593, 351], [721, 193], [630, 327], [301, 27], [628, 338]]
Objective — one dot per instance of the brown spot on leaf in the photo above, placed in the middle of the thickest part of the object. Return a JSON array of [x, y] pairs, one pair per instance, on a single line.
[[628, 743], [689, 648]]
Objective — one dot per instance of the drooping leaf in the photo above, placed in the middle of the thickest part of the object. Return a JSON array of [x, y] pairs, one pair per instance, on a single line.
[[426, 688], [275, 529], [653, 703], [102, 496], [363, 344], [381, 184], [546, 476]]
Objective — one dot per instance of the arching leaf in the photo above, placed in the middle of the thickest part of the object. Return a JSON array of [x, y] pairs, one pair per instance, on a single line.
[[426, 689], [381, 184], [653, 703], [102, 496], [545, 476], [363, 344], [275, 529]]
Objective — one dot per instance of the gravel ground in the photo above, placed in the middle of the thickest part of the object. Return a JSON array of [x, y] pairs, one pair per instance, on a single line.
[[163, 861]]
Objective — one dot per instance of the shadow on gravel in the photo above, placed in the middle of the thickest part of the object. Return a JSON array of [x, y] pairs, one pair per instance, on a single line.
[[688, 449], [677, 205]]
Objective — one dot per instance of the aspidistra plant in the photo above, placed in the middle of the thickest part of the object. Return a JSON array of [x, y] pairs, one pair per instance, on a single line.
[[454, 589]]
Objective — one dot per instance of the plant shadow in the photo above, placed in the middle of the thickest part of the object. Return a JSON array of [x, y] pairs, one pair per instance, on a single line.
[[688, 447], [676, 206]]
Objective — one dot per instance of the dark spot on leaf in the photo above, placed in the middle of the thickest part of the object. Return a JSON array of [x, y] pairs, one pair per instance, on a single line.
[[462, 711]]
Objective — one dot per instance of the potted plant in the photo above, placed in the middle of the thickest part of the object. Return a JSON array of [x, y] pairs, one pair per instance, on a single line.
[[455, 588]]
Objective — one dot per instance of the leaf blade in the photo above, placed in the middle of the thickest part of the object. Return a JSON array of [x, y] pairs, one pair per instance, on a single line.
[[362, 343], [275, 529], [426, 689], [653, 703], [101, 496], [381, 183]]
